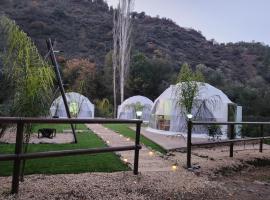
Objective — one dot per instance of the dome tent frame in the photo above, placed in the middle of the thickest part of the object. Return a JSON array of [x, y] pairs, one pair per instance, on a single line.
[[128, 109], [210, 104], [79, 106]]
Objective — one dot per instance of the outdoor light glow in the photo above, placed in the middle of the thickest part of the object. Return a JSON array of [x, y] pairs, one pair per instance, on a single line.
[[174, 167], [128, 139], [151, 153], [189, 116], [125, 160], [108, 142], [139, 113]]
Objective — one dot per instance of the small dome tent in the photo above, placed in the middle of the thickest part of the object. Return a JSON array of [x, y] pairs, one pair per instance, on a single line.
[[211, 105], [128, 109], [79, 106]]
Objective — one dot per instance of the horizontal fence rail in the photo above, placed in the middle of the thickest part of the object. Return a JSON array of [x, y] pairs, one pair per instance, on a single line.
[[200, 144], [231, 134], [14, 120], [18, 156], [228, 123], [65, 153]]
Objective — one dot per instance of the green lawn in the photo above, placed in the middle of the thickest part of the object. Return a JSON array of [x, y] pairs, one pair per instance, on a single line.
[[124, 130], [105, 162]]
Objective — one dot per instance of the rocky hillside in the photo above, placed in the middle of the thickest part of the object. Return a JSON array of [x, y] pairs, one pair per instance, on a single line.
[[83, 29]]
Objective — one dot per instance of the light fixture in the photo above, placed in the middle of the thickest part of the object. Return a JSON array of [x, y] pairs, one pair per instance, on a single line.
[[125, 160], [189, 116], [174, 167], [151, 153], [139, 114]]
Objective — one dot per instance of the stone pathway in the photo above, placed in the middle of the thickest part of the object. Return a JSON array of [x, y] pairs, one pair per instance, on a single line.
[[148, 160]]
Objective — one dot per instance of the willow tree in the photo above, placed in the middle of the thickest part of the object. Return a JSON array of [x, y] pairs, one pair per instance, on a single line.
[[29, 76], [121, 52]]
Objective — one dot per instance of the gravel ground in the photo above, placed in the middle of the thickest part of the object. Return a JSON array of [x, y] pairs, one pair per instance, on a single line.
[[121, 185], [60, 138], [211, 181]]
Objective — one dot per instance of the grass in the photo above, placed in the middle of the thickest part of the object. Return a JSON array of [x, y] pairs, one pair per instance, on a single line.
[[267, 141], [105, 162], [124, 130]]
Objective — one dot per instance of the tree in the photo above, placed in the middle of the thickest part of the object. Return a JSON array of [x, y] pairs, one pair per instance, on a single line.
[[148, 77], [187, 90], [189, 99], [78, 73], [29, 76], [121, 36]]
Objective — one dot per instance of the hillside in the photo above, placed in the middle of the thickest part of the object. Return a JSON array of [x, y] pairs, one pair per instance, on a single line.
[[83, 30]]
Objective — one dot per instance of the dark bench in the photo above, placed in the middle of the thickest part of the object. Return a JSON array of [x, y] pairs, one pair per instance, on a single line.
[[47, 132]]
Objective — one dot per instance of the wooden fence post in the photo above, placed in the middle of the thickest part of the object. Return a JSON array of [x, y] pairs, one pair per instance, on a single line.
[[17, 160], [137, 148], [189, 143], [232, 136], [261, 141]]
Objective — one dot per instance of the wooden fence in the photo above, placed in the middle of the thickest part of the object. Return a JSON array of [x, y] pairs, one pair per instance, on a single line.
[[231, 134], [18, 155]]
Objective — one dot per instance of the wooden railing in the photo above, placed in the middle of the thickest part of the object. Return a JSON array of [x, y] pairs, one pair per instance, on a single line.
[[231, 141], [18, 156]]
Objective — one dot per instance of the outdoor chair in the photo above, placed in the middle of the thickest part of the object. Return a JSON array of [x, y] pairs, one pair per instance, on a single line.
[[47, 132]]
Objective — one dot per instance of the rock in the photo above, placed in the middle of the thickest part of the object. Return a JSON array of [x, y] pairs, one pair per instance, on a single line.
[[261, 183]]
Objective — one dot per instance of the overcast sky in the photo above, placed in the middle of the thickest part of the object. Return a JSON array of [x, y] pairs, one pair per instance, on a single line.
[[223, 20]]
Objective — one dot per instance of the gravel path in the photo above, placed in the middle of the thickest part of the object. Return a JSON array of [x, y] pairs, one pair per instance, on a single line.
[[148, 159]]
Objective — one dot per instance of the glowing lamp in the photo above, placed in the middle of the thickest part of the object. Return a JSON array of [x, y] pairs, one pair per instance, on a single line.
[[189, 116], [174, 167], [139, 114]]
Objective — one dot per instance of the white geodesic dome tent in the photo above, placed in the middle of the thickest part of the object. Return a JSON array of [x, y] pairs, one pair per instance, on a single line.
[[79, 106], [127, 110], [168, 116]]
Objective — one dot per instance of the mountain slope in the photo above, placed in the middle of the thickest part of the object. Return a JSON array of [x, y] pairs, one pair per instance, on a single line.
[[83, 29]]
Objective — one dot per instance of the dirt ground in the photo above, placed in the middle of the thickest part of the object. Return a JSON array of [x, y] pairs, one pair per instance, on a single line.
[[60, 138], [248, 184], [246, 176]]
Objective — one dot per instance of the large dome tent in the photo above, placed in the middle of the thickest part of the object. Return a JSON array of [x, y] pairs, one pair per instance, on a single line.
[[128, 109], [211, 105], [79, 106]]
